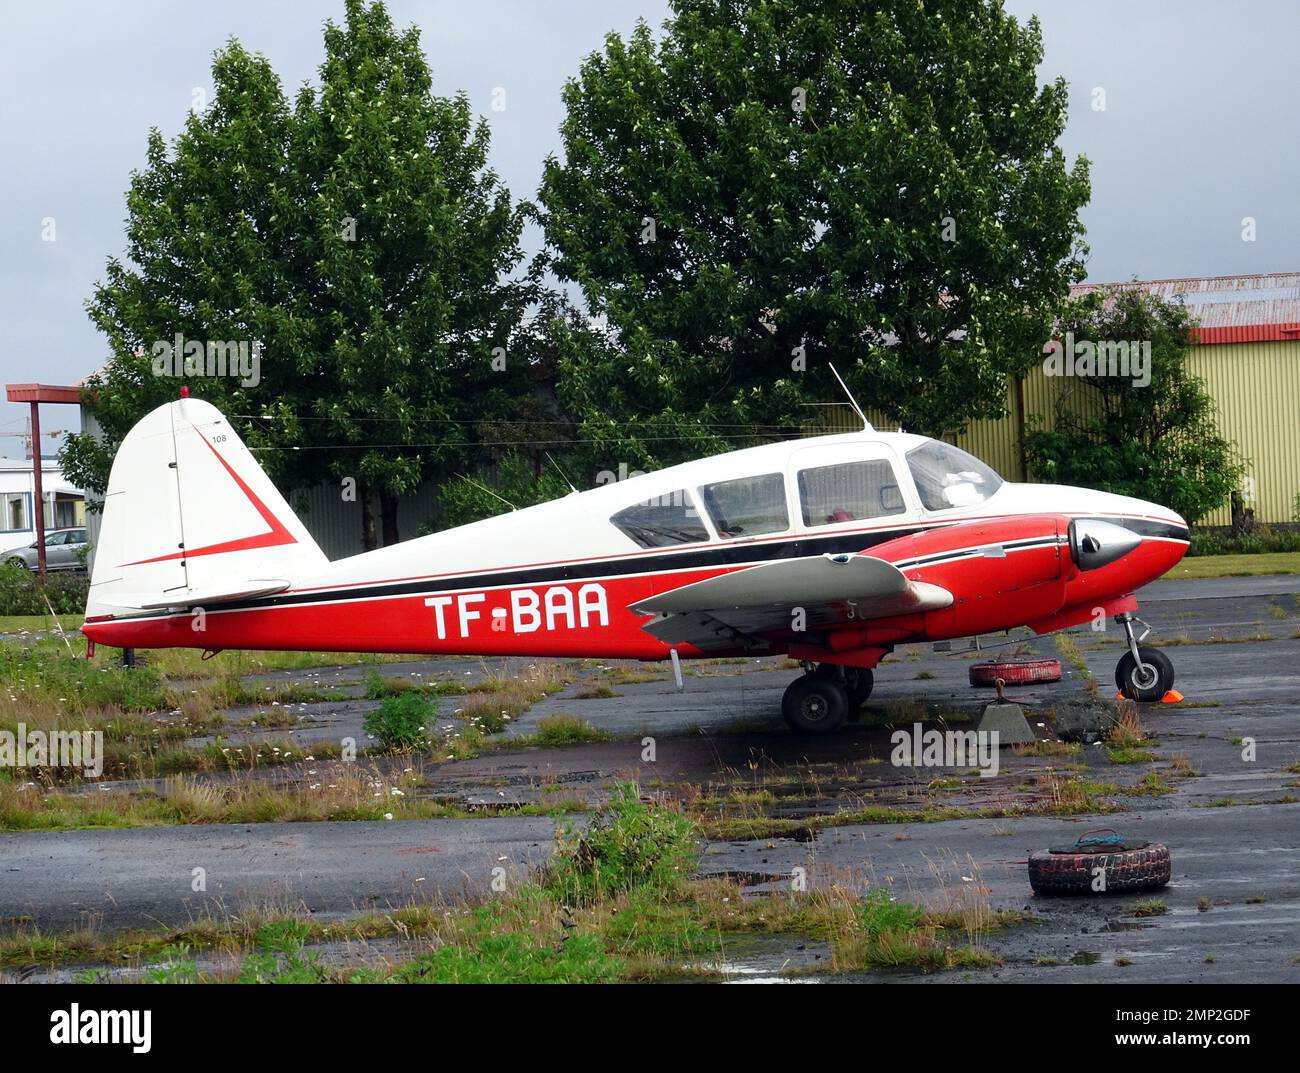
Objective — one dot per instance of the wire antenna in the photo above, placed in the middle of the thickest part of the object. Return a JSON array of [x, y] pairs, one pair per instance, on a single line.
[[484, 488], [866, 425], [561, 472]]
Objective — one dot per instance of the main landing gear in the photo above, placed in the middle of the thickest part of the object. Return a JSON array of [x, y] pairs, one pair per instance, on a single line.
[[1144, 674], [825, 697]]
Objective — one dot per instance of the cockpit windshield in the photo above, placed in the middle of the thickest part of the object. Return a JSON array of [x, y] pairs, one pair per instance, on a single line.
[[948, 477]]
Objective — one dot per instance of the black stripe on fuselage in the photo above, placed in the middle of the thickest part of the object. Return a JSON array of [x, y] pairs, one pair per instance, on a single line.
[[719, 555], [723, 555]]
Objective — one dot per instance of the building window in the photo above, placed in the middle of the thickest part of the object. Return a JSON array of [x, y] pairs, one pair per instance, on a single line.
[[15, 511], [662, 521], [65, 513], [850, 492], [747, 507]]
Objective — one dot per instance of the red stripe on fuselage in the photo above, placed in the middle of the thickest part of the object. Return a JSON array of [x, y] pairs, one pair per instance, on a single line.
[[990, 593]]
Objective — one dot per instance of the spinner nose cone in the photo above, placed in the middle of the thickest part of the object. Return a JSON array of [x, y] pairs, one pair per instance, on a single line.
[[1095, 543]]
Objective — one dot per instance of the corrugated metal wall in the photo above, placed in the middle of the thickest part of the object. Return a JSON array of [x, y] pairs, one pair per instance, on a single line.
[[336, 525], [1255, 387]]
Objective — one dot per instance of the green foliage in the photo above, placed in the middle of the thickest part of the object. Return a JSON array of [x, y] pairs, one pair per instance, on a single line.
[[879, 914], [379, 686], [21, 591], [357, 234], [45, 670], [278, 957], [177, 967], [1158, 442], [655, 925], [1262, 541], [803, 165], [515, 958], [402, 721], [629, 845], [554, 731], [517, 481]]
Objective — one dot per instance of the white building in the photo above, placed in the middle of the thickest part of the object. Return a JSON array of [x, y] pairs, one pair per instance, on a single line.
[[65, 504]]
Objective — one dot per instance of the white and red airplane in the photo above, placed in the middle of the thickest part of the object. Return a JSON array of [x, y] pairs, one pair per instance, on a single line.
[[831, 549]]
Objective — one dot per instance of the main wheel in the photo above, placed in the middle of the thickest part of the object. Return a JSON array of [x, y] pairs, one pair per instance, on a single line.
[[1147, 680], [815, 704], [859, 681]]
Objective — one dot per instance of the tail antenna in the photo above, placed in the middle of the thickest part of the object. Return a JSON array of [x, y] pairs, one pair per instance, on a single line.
[[564, 476], [866, 425], [485, 488]]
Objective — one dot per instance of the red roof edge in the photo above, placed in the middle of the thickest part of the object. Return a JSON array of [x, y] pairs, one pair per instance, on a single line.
[[1248, 333], [42, 393]]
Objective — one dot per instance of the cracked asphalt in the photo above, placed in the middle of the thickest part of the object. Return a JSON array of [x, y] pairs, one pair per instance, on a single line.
[[1231, 912]]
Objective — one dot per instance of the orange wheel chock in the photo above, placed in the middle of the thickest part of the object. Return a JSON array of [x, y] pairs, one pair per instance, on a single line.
[[1171, 696]]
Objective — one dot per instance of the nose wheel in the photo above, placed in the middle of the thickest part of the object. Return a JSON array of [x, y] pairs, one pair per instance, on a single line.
[[1142, 674]]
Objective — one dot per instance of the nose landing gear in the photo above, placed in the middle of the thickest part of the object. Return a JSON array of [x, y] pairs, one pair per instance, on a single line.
[[1142, 674], [825, 697]]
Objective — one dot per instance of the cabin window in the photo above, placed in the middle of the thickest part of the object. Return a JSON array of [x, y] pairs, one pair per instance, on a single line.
[[853, 491], [662, 521], [747, 507], [948, 477]]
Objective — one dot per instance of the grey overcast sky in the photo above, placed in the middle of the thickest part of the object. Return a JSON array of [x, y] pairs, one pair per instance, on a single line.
[[1200, 129]]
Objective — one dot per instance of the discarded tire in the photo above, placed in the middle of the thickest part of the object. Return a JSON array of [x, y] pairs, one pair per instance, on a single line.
[[1016, 672], [1137, 866]]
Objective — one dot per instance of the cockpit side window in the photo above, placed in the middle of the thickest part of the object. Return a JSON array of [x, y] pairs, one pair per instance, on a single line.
[[948, 477], [662, 521], [851, 491], [747, 507]]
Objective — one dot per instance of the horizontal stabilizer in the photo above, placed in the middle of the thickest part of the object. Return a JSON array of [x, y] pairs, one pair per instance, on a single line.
[[155, 601]]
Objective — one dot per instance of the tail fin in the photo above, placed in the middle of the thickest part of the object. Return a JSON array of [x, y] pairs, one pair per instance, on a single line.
[[190, 518]]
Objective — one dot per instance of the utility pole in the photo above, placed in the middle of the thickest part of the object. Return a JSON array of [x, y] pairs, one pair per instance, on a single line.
[[40, 490]]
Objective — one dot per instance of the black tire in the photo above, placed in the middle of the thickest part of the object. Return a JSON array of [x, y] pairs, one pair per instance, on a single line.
[[1125, 870], [1148, 682], [859, 681], [815, 704]]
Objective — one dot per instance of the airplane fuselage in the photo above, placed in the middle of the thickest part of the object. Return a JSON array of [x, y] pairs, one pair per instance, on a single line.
[[561, 579]]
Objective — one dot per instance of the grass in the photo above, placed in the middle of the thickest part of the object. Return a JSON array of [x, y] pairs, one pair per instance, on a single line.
[[148, 713], [1210, 566], [1054, 795], [561, 729], [498, 699], [35, 623], [616, 903], [328, 791], [1131, 756]]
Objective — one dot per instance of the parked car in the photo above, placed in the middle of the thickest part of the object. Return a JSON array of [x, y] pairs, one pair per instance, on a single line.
[[64, 550]]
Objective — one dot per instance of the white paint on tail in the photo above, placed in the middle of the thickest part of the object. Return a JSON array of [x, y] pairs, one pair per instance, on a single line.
[[190, 518]]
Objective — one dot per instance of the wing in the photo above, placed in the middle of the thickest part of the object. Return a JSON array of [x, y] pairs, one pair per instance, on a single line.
[[753, 606]]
